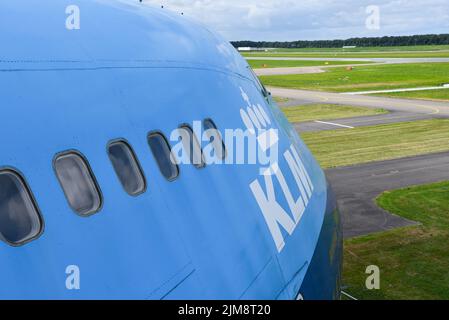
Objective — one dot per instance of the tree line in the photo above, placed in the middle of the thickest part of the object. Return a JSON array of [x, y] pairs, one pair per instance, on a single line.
[[388, 41]]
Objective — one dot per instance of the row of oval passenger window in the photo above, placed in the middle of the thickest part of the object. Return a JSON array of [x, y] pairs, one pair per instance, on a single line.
[[20, 219]]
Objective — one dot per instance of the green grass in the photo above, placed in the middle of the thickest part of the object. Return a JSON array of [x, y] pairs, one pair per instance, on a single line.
[[362, 49], [373, 143], [362, 78], [327, 112], [437, 54], [280, 99], [260, 64], [359, 52], [442, 94], [414, 261]]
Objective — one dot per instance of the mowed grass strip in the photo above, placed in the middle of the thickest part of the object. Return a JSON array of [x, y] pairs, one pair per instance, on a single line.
[[280, 99], [363, 78], [344, 147], [351, 55], [429, 51], [438, 95], [413, 261], [422, 48], [312, 112], [261, 64]]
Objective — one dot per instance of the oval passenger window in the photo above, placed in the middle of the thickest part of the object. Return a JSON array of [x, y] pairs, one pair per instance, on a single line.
[[192, 146], [78, 183], [20, 220], [127, 167], [215, 137], [162, 153]]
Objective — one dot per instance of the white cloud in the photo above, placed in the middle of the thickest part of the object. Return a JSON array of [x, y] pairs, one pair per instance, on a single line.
[[285, 20]]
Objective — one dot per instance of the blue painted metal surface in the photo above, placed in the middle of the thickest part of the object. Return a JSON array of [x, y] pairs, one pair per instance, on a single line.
[[127, 71]]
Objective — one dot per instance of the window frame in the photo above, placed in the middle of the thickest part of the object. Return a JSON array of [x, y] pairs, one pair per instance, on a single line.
[[203, 163], [157, 132], [18, 174], [92, 175], [225, 151], [139, 166], [263, 90]]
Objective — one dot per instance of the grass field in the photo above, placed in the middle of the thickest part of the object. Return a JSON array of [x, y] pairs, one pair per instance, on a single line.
[[355, 55], [440, 95], [362, 78], [327, 112], [360, 52], [280, 99], [389, 141], [260, 64], [414, 261], [433, 48]]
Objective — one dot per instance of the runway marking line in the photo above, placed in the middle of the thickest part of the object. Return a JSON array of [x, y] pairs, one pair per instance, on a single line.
[[348, 295], [334, 124]]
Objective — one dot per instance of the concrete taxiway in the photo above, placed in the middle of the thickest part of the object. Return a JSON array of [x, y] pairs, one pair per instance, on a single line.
[[393, 104], [357, 186], [356, 200]]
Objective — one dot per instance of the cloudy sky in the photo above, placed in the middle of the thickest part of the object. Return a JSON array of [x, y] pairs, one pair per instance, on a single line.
[[287, 20]]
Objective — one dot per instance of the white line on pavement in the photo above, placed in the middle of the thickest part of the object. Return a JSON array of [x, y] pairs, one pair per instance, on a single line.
[[397, 90], [335, 124], [348, 295]]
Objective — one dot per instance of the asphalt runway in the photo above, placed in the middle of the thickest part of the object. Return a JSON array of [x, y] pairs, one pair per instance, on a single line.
[[356, 187], [392, 104], [347, 123]]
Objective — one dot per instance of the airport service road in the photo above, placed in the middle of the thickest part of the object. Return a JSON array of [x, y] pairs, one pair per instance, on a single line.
[[356, 187], [348, 123], [392, 104]]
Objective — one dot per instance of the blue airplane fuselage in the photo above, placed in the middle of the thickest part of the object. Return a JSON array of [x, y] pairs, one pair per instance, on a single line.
[[225, 231]]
